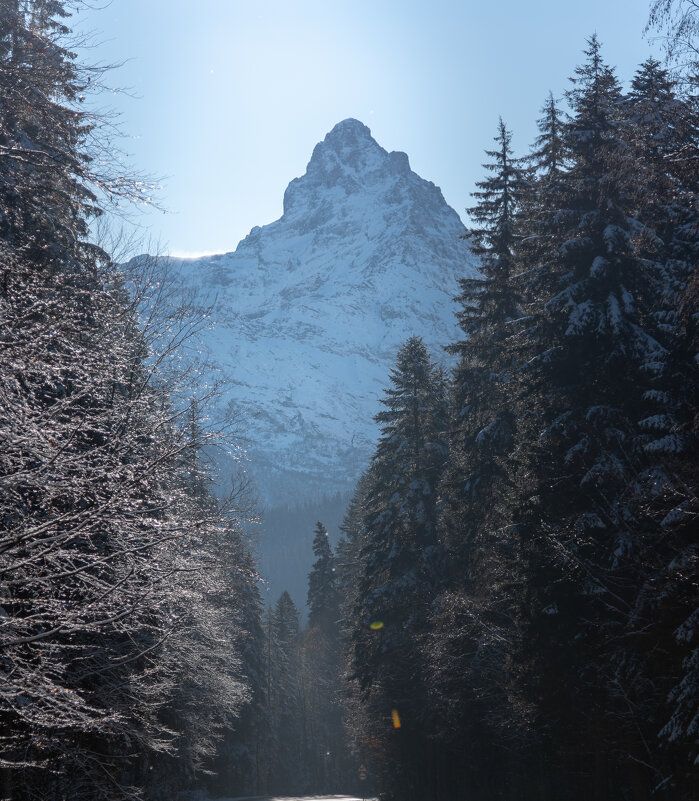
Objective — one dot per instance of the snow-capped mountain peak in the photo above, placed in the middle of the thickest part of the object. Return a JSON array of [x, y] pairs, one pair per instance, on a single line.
[[350, 149], [310, 309]]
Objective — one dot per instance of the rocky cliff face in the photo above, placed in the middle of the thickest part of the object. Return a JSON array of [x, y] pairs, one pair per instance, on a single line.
[[310, 310]]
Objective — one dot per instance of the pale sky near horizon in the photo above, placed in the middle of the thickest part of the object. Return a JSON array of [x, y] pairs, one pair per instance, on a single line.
[[230, 96]]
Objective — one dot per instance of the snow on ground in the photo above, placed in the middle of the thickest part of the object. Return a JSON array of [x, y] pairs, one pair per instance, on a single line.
[[198, 796]]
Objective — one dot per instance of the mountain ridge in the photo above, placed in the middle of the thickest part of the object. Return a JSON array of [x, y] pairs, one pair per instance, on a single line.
[[310, 309]]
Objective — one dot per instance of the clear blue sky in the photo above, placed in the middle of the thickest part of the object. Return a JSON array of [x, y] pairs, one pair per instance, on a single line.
[[232, 95]]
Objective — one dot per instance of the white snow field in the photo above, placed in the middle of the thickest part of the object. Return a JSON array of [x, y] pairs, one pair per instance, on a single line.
[[197, 796]]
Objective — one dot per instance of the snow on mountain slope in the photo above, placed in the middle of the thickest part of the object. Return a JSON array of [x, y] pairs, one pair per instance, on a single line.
[[309, 310]]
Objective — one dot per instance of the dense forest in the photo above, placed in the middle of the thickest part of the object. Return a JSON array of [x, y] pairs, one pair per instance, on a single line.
[[523, 620], [511, 611], [127, 593]]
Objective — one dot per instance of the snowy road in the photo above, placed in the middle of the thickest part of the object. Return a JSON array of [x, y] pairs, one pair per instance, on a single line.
[[193, 797]]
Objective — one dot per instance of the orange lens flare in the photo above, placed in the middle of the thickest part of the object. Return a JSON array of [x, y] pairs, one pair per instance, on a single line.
[[396, 718]]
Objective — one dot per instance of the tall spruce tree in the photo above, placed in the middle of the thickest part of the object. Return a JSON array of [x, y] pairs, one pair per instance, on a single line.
[[474, 616], [549, 155], [548, 163], [285, 697], [240, 765], [322, 660], [348, 556], [484, 421], [322, 600], [663, 133], [401, 569], [580, 537]]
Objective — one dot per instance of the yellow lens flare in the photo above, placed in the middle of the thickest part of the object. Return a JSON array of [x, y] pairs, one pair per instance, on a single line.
[[395, 717], [376, 625]]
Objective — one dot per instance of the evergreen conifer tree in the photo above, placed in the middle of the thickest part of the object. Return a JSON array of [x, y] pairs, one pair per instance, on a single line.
[[401, 566], [243, 752], [548, 164], [474, 615], [580, 539], [322, 660], [285, 698], [323, 611], [549, 157], [663, 134], [484, 421]]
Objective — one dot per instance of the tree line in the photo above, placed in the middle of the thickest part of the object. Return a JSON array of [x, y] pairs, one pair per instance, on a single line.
[[520, 558]]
